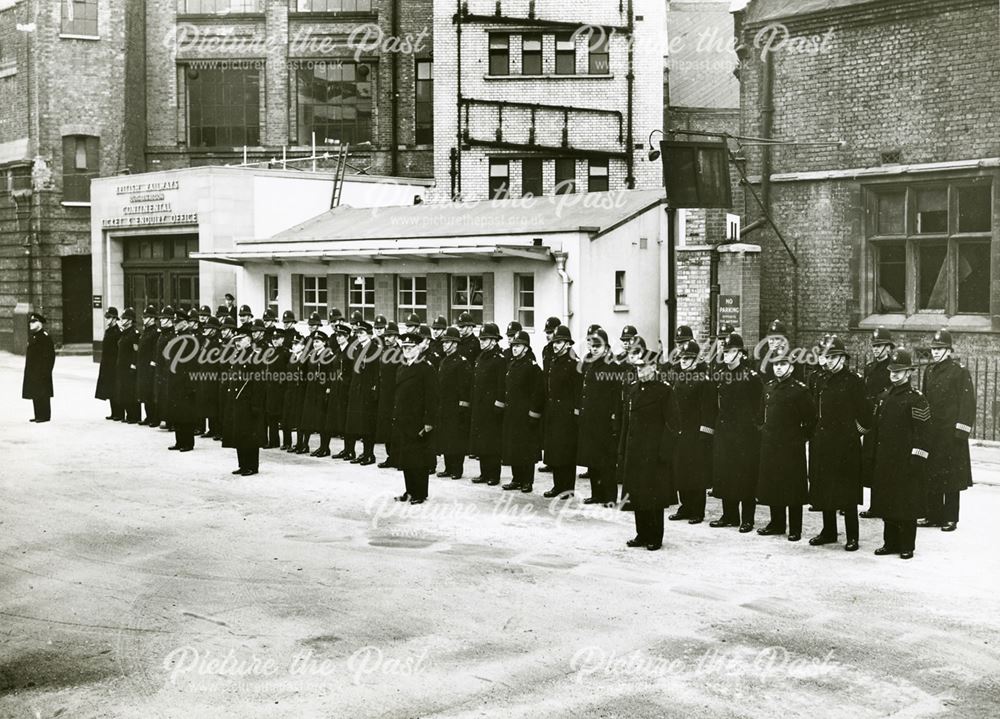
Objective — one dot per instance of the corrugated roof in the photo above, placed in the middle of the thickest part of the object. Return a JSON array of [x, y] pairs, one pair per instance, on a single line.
[[702, 57], [767, 10], [593, 212]]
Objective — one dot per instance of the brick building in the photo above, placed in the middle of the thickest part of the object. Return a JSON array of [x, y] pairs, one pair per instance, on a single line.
[[93, 88], [899, 225], [535, 96]]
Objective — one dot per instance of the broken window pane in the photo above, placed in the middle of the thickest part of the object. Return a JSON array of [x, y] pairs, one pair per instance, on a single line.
[[933, 288], [890, 214], [891, 293], [974, 277], [932, 211]]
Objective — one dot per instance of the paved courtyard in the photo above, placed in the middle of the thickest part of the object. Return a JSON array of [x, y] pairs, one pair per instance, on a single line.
[[138, 582]]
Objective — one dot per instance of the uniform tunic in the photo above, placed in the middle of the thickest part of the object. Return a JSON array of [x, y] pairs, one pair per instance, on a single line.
[[469, 347], [415, 406], [39, 358], [600, 403], [789, 419], [146, 364], [843, 411], [106, 383], [126, 367], [207, 386], [523, 394], [646, 446], [876, 378], [337, 385], [362, 391], [274, 391], [694, 418], [314, 395], [163, 372], [899, 488], [563, 383], [182, 405], [952, 399], [388, 366], [247, 399], [736, 447], [291, 402], [454, 391], [486, 427]]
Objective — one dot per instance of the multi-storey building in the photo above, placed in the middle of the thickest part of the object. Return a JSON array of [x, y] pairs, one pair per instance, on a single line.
[[539, 97]]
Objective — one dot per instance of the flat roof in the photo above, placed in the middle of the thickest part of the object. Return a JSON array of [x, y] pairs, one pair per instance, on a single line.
[[301, 174]]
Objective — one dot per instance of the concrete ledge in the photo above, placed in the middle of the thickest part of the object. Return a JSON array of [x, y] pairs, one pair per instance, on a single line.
[[738, 247]]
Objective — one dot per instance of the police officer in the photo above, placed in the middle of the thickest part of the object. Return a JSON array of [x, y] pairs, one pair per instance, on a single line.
[[413, 417], [227, 367], [248, 398], [788, 421], [390, 358], [276, 383], [338, 375], [563, 383], [669, 363], [39, 358], [126, 368], [291, 404], [600, 404], [843, 414], [646, 446], [204, 312], [778, 345], [182, 400], [146, 366], [245, 317], [454, 391], [163, 367], [952, 398], [736, 445], [434, 352], [627, 338], [899, 479], [486, 425], [524, 400], [695, 408], [362, 361], [411, 324], [468, 345], [207, 387], [106, 382], [550, 327], [512, 329], [876, 378], [270, 319], [230, 306], [314, 394]]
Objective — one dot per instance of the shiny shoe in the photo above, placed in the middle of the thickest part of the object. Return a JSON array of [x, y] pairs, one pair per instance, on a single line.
[[677, 516], [511, 486], [349, 456], [794, 537], [237, 471], [320, 453], [442, 474], [723, 522], [455, 476], [302, 450], [906, 555], [186, 449], [551, 493], [653, 547], [821, 539], [492, 482], [635, 543], [248, 472], [384, 465], [696, 520], [746, 528], [866, 514], [526, 488], [418, 500], [851, 546], [770, 531], [342, 454], [928, 523], [884, 550], [591, 500], [405, 497], [356, 458], [480, 480], [174, 446], [545, 468], [949, 527], [366, 460]]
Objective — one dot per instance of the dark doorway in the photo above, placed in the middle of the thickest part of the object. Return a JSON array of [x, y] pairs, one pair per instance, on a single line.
[[159, 271], [77, 319]]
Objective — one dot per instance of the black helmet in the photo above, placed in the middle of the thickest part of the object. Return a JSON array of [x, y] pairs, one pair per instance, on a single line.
[[128, 314], [489, 332], [551, 323], [245, 311], [777, 327], [562, 334], [228, 322], [314, 320], [638, 352], [424, 331], [690, 348], [599, 333], [440, 322], [221, 311], [213, 323], [412, 319], [465, 320], [380, 322], [150, 311], [683, 333], [835, 347], [167, 313], [451, 334], [513, 328], [521, 338], [288, 316], [942, 338], [901, 359], [391, 329], [112, 312], [628, 332], [357, 317], [733, 341], [334, 314], [270, 314], [205, 311], [882, 336]]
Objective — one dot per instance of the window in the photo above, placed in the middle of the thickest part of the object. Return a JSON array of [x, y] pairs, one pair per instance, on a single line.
[[219, 7], [335, 102], [499, 179], [620, 287], [565, 176], [467, 296], [333, 6], [524, 293], [271, 293], [597, 176], [314, 295], [80, 165], [565, 54], [930, 248], [499, 54], [598, 59], [79, 17], [223, 107], [412, 296], [423, 103], [531, 55], [361, 296], [531, 177]]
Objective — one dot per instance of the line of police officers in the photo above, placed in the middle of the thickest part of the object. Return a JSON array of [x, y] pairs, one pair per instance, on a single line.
[[667, 428]]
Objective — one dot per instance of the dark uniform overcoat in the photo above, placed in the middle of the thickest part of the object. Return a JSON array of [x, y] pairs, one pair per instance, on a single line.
[[736, 445], [415, 406], [646, 445], [600, 403], [486, 427], [106, 383], [524, 394], [454, 392], [842, 414], [899, 482], [694, 409], [789, 417], [563, 383], [952, 398]]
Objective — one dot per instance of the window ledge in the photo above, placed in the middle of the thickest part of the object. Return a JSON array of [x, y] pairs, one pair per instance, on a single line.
[[928, 322], [8, 69], [74, 204], [320, 16], [607, 76], [68, 36], [620, 308], [220, 17]]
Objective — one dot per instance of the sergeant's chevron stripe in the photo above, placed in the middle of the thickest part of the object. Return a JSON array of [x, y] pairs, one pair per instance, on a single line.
[[921, 414]]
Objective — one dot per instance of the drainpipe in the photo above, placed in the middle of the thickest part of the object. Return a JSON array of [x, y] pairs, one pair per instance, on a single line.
[[560, 258], [395, 92], [630, 80], [458, 109]]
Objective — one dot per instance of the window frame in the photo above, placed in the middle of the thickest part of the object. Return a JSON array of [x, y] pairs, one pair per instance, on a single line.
[[365, 307], [87, 26], [305, 129], [534, 56], [411, 305], [76, 180], [598, 41], [598, 163], [271, 282], [568, 188], [500, 193], [564, 37], [496, 52], [251, 132], [296, 6], [225, 8], [951, 238], [421, 128], [539, 163], [621, 297], [322, 296], [522, 310], [476, 310]]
